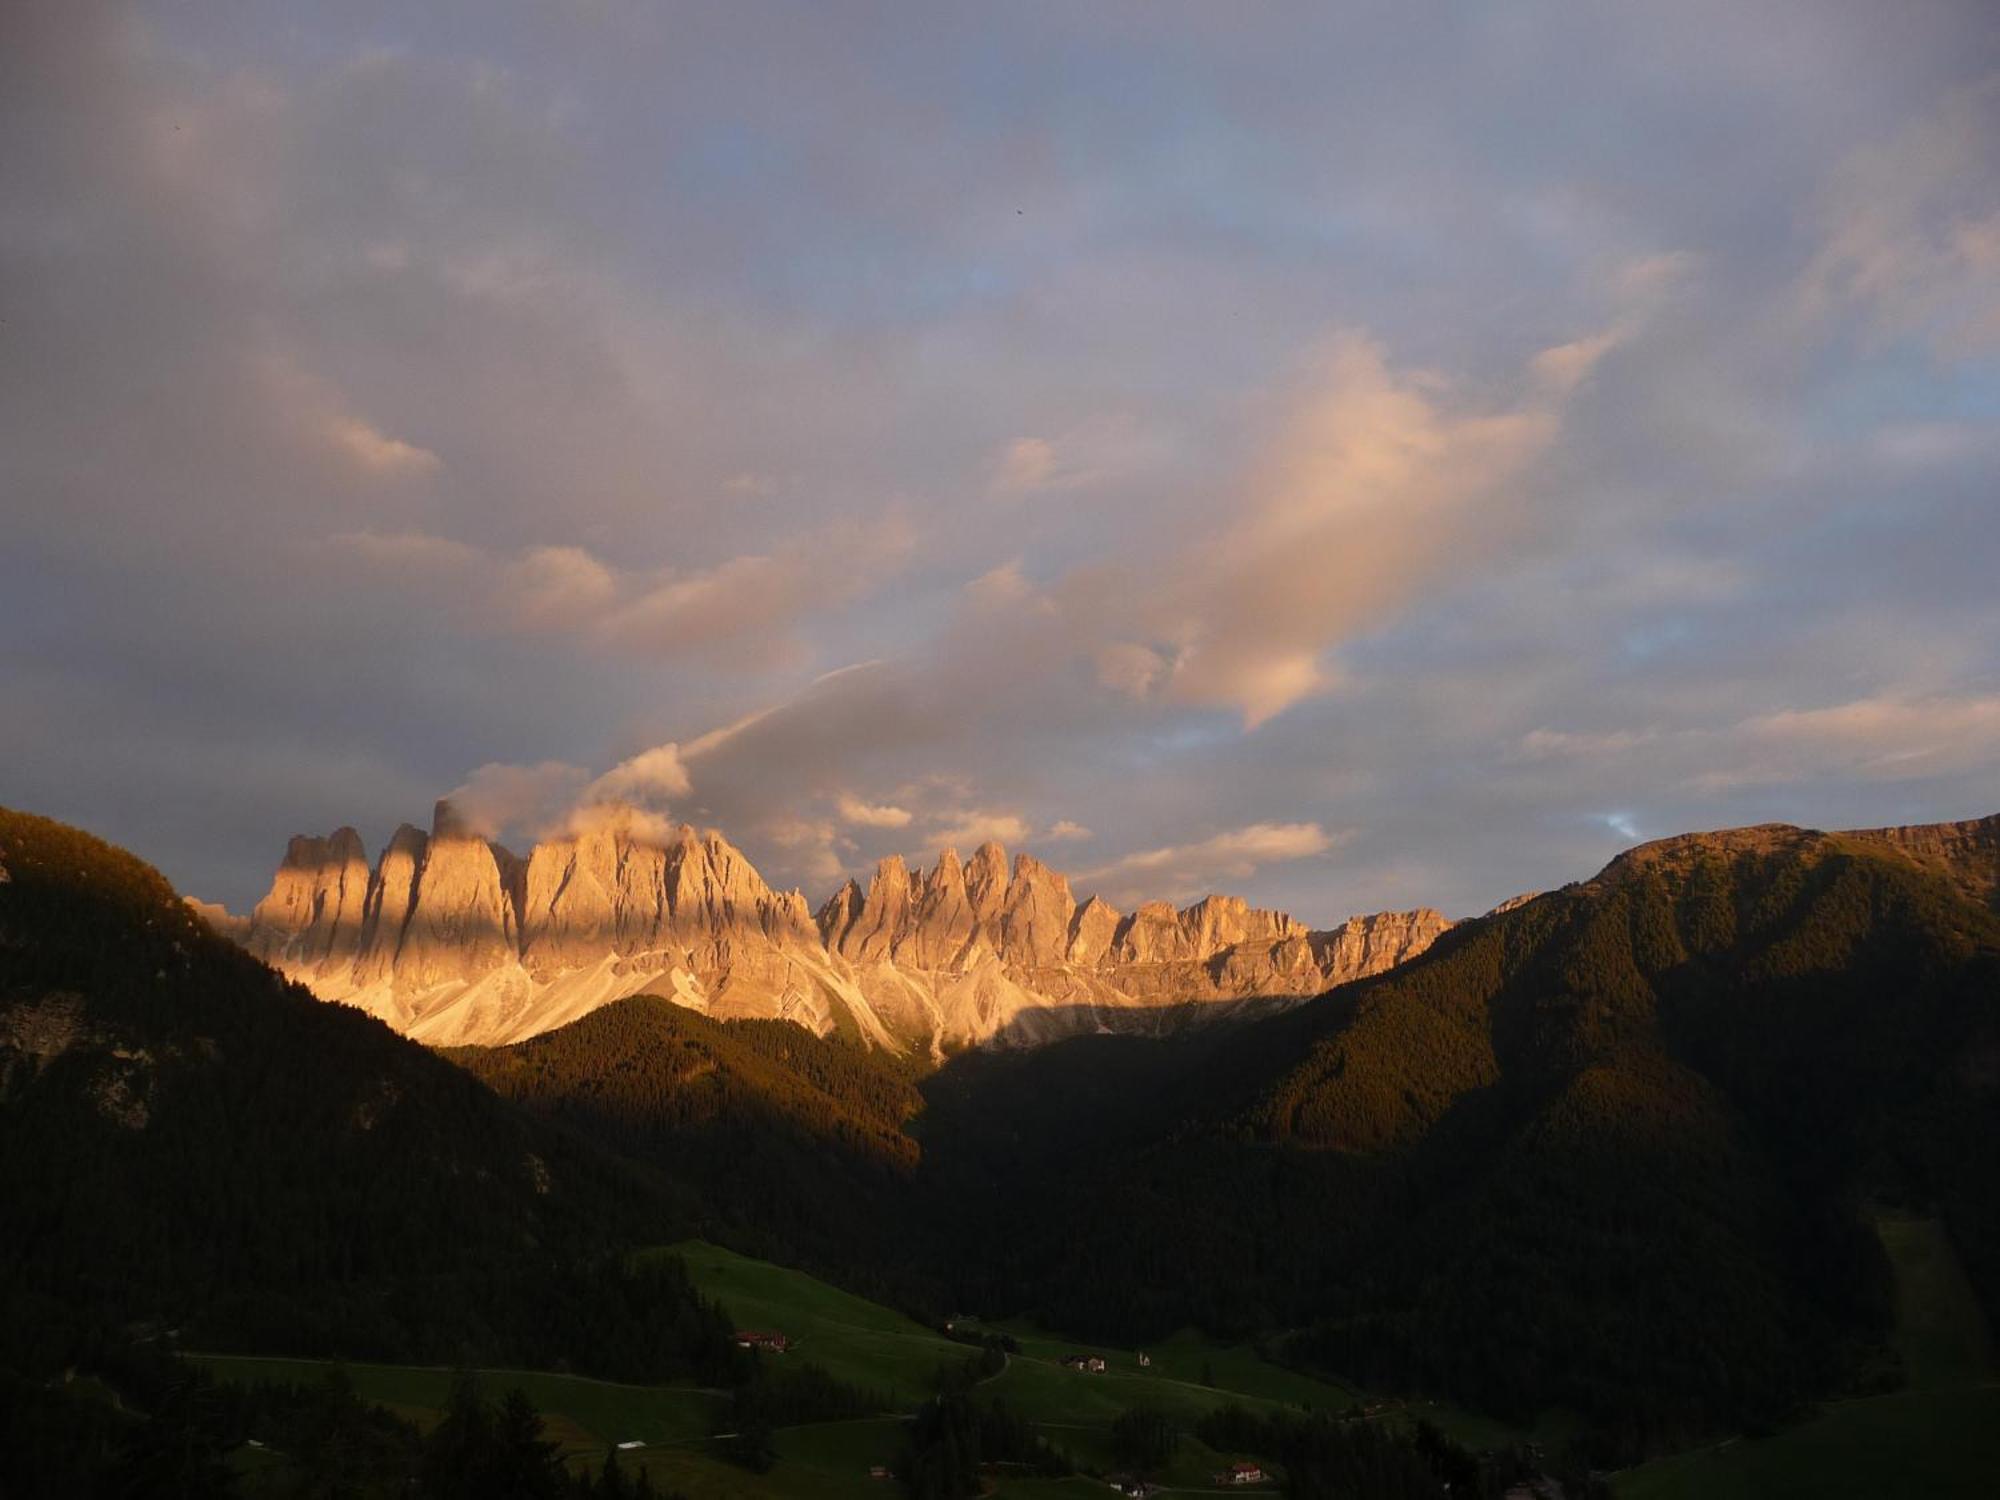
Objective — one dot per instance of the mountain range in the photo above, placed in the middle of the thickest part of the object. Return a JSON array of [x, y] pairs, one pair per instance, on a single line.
[[454, 940], [1615, 1151]]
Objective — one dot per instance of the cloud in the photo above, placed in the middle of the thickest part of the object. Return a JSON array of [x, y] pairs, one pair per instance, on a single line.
[[558, 588], [630, 468], [1910, 229], [1888, 738], [1084, 456], [640, 824], [752, 603], [760, 596], [1131, 669], [498, 799], [1376, 487], [1028, 464], [1004, 587], [378, 453], [1566, 366], [976, 826], [655, 773], [411, 555], [1181, 869], [1063, 831], [751, 485], [634, 797], [1556, 744], [812, 844], [871, 815]]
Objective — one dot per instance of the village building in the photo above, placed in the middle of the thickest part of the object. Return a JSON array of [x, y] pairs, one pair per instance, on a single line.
[[1243, 1472], [753, 1338]]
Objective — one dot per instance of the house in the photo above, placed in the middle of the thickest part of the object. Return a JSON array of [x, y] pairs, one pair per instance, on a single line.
[[1145, 1359], [628, 1446], [1091, 1362], [1243, 1472], [752, 1338], [881, 1471]]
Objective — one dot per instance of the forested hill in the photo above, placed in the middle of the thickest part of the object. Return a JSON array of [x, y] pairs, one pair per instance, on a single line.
[[1611, 1150], [792, 1144], [189, 1142]]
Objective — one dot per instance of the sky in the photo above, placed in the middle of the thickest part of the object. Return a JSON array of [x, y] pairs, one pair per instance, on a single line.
[[1353, 456]]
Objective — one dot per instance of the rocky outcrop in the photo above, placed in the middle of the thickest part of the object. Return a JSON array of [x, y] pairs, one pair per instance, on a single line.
[[1966, 854], [452, 938], [976, 953], [455, 939], [312, 914], [1361, 946]]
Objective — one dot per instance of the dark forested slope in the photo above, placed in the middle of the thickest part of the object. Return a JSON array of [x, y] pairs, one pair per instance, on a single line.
[[794, 1145], [188, 1141], [1610, 1150]]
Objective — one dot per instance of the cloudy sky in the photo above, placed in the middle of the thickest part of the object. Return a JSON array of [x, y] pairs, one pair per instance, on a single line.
[[1351, 455]]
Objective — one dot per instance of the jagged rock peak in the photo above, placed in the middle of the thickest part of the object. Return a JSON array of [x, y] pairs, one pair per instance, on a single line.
[[314, 911], [448, 821], [838, 914], [1361, 946], [986, 879], [306, 852], [1092, 931], [453, 938]]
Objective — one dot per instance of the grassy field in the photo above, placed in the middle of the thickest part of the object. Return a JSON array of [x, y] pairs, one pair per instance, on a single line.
[[854, 1338], [1187, 1377], [875, 1347], [1190, 1374], [585, 1413], [862, 1341], [1939, 1438]]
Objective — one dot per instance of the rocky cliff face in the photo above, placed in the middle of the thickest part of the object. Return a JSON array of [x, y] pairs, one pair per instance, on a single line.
[[1967, 854], [452, 938], [978, 954]]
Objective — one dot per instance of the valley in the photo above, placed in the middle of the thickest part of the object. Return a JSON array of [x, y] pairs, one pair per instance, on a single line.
[[1187, 1378]]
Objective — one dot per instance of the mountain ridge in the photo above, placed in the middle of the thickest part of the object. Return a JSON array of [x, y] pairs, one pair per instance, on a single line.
[[455, 940], [1613, 1149]]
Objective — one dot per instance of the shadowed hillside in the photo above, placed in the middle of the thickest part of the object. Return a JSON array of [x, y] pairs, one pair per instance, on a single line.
[[1607, 1151], [790, 1143], [188, 1142]]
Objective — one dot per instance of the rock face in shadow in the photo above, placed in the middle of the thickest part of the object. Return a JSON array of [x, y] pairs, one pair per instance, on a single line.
[[453, 939]]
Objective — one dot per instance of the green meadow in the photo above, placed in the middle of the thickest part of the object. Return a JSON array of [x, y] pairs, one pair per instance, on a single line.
[[1938, 1437], [872, 1346]]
